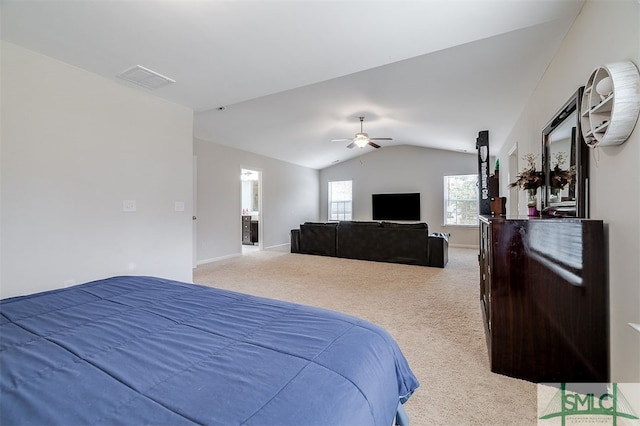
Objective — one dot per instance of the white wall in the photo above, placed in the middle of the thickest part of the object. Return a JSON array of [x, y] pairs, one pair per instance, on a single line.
[[604, 32], [404, 168], [74, 146], [289, 197]]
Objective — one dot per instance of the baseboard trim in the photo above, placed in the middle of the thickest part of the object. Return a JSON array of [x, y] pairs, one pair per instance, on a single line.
[[470, 246], [217, 259], [277, 246], [280, 246]]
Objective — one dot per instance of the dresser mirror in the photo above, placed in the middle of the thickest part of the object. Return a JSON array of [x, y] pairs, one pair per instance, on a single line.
[[565, 163]]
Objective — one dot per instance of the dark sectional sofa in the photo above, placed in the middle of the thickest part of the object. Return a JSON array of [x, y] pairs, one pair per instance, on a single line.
[[408, 243]]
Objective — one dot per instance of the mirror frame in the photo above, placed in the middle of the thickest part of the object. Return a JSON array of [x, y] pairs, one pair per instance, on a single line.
[[580, 157]]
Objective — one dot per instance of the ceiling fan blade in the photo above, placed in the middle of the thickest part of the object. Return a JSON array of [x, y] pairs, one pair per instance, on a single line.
[[381, 139], [351, 145], [375, 145], [342, 140]]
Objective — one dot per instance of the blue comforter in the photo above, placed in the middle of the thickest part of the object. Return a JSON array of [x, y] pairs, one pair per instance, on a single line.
[[142, 350]]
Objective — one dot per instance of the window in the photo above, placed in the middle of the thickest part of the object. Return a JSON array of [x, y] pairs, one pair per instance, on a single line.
[[461, 200], [340, 200]]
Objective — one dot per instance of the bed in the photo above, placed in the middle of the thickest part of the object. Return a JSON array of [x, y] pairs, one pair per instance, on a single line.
[[146, 350]]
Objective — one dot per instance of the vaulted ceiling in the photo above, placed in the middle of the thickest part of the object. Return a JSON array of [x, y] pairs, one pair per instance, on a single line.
[[283, 78]]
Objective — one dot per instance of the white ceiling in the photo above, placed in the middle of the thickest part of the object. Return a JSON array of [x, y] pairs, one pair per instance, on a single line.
[[292, 75]]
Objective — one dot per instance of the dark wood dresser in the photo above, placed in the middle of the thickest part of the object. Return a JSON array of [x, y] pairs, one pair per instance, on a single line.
[[545, 299]]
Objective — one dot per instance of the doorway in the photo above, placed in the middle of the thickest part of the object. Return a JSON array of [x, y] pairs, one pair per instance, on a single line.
[[251, 210]]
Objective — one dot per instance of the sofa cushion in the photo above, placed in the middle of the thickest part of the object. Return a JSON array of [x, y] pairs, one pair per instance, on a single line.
[[391, 244], [359, 224], [420, 225]]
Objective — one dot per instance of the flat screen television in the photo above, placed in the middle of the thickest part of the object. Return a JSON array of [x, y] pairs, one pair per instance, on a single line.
[[403, 206]]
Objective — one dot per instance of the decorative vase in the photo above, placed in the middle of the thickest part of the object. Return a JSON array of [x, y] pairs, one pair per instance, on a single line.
[[533, 201]]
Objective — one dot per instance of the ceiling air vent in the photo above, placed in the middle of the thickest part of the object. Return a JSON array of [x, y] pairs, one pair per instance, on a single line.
[[145, 77]]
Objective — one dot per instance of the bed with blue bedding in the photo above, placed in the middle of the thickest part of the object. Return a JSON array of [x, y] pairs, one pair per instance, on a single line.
[[144, 350]]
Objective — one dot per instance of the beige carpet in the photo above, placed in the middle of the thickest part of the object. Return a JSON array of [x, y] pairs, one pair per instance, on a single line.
[[434, 315]]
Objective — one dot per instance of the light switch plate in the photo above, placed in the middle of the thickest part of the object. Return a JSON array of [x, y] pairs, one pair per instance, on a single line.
[[129, 206], [179, 206]]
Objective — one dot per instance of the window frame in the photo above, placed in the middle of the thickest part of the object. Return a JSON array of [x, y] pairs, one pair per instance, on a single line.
[[330, 201], [447, 201]]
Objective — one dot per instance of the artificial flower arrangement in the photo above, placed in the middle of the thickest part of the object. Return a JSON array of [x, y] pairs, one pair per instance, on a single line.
[[559, 178], [529, 178]]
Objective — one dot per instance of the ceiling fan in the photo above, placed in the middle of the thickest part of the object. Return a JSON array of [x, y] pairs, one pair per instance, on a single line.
[[362, 139]]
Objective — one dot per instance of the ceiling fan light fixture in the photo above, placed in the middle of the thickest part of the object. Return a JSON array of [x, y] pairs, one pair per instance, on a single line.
[[361, 140]]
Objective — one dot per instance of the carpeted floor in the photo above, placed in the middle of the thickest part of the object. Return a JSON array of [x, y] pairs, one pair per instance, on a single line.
[[434, 315]]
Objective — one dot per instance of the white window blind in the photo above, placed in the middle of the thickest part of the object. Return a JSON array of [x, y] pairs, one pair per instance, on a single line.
[[340, 203], [461, 200]]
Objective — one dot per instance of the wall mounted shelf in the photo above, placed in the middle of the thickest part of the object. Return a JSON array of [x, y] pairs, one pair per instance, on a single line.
[[610, 104]]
